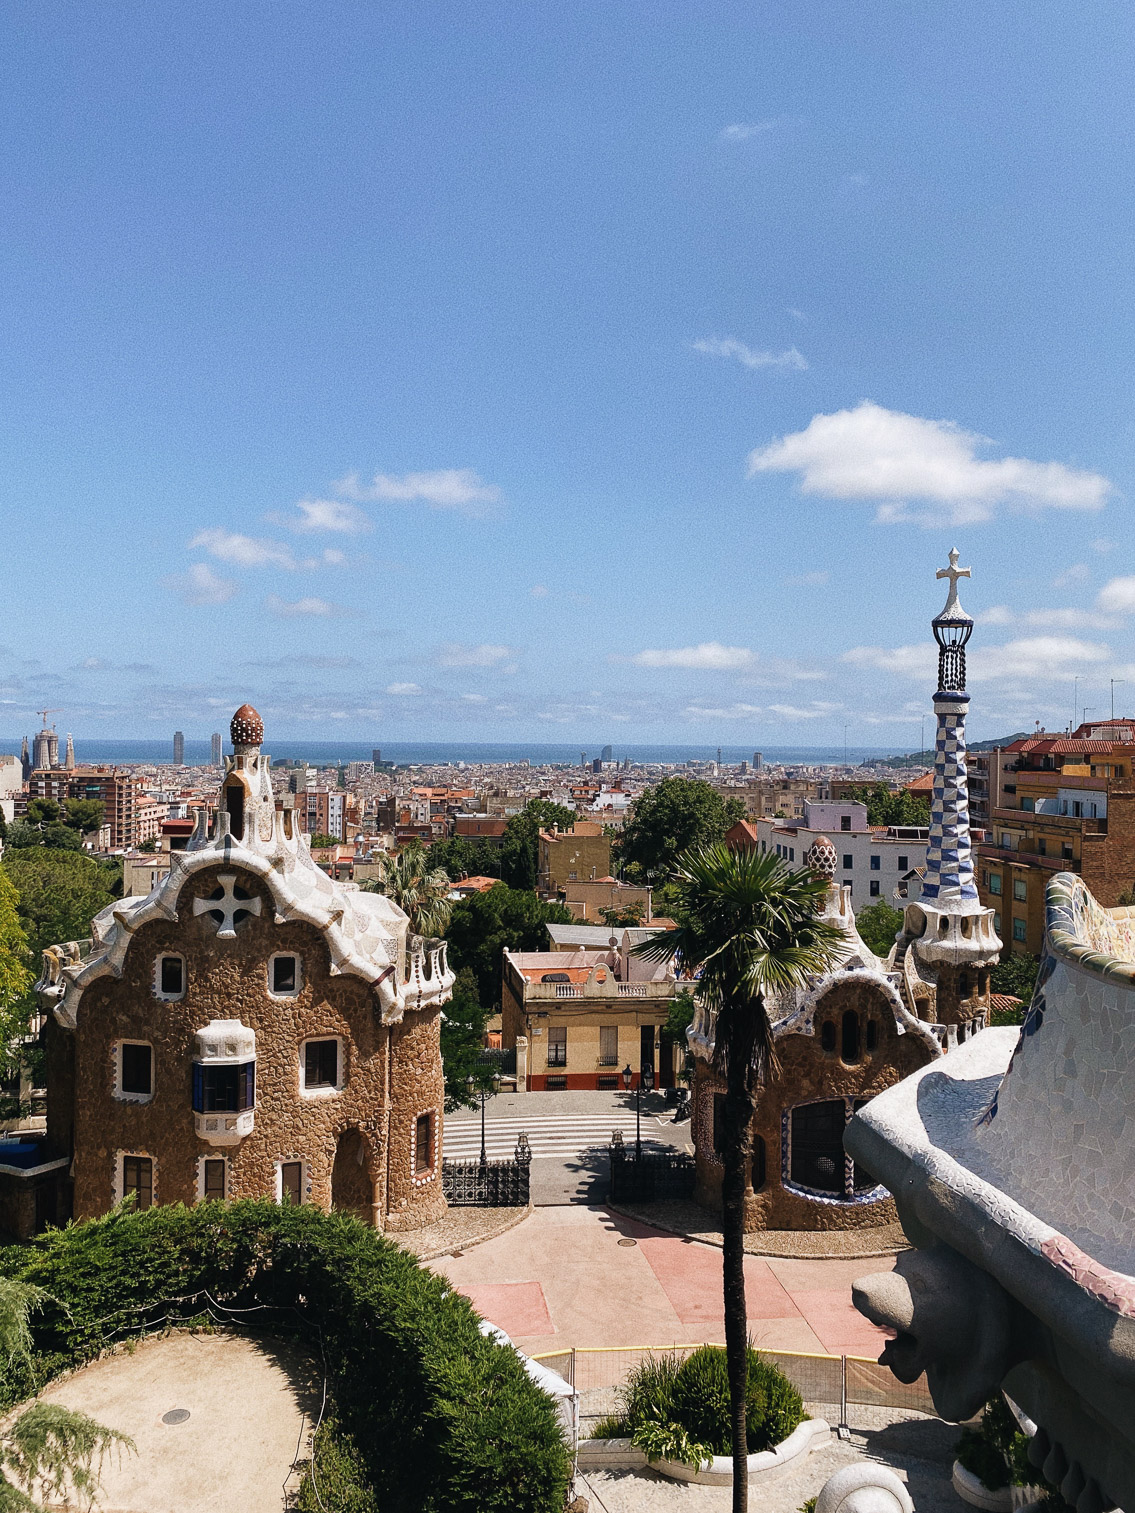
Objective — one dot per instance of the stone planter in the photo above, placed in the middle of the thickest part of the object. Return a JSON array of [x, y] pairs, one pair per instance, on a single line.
[[621, 1455], [972, 1490]]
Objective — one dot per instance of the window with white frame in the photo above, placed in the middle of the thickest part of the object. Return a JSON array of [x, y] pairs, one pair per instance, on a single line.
[[284, 975], [321, 1063], [169, 976], [212, 1179], [134, 1071], [136, 1179], [291, 1182]]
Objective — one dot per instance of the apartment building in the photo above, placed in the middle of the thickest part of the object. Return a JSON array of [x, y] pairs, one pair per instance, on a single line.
[[873, 859], [1065, 804], [116, 789], [565, 857], [324, 812], [578, 1017], [767, 798]]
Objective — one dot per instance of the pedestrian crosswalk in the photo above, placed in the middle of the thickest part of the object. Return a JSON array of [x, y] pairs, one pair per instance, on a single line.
[[556, 1135]]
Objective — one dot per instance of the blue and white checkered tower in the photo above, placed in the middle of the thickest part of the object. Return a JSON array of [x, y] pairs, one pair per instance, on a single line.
[[949, 859], [948, 924]]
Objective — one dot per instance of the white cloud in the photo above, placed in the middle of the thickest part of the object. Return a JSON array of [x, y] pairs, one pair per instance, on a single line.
[[474, 698], [728, 712], [1035, 657], [201, 585], [811, 712], [330, 515], [1117, 596], [1062, 618], [1078, 572], [445, 489], [244, 551], [1102, 545], [741, 131], [919, 661], [298, 608], [333, 557], [454, 654], [749, 357], [403, 688], [874, 454], [709, 656], [538, 591]]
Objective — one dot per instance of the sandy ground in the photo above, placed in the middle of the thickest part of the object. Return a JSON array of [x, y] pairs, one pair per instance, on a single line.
[[250, 1406]]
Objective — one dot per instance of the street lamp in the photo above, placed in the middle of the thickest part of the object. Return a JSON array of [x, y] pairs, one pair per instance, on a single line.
[[483, 1093], [645, 1080]]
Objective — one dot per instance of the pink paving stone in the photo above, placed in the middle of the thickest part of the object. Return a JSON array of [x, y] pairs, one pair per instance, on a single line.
[[840, 1329], [690, 1276], [518, 1308]]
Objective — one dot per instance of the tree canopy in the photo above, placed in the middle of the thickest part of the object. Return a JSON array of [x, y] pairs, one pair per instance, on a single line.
[[1016, 976], [410, 880], [60, 892], [878, 925], [15, 964], [59, 827], [481, 926], [463, 1022], [460, 858], [668, 819], [887, 808]]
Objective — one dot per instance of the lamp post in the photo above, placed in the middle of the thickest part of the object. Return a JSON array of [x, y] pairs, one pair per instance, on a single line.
[[483, 1093], [645, 1080]]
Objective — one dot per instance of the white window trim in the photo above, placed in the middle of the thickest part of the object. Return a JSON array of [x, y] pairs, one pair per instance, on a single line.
[[119, 1180], [157, 985], [340, 1068], [298, 989], [419, 1179], [119, 1095], [201, 1175], [305, 1177]]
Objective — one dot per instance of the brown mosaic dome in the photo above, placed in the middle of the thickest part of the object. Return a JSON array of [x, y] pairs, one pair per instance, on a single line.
[[821, 858], [246, 727]]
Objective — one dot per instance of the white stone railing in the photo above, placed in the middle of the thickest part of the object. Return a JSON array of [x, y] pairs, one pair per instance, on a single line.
[[568, 990]]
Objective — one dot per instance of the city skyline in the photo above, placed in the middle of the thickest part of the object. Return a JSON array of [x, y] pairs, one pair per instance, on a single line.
[[381, 368]]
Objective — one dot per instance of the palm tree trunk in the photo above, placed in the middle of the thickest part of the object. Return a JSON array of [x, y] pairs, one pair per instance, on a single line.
[[738, 1120]]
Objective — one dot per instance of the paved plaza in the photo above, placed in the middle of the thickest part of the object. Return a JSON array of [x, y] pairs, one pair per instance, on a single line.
[[567, 1276]]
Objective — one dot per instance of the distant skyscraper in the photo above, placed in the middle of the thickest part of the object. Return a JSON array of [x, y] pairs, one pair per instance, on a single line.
[[376, 758], [178, 749], [25, 760], [69, 758], [756, 761], [583, 758], [597, 764], [719, 756], [215, 748], [605, 755]]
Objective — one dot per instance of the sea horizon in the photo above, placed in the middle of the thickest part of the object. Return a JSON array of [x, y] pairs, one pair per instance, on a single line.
[[473, 753]]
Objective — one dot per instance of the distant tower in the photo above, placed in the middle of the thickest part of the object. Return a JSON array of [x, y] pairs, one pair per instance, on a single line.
[[25, 760], [376, 758], [52, 748], [757, 761], [583, 758], [178, 749], [215, 748], [69, 757], [605, 755], [41, 748]]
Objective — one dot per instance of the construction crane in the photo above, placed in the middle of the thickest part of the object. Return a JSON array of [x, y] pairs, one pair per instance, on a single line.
[[45, 713]]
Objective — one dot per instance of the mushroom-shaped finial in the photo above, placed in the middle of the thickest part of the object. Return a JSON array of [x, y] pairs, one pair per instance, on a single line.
[[821, 858], [246, 727]]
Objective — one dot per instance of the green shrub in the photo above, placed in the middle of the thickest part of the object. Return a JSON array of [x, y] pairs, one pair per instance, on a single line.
[[335, 1479], [996, 1451], [437, 1418], [670, 1442], [691, 1398]]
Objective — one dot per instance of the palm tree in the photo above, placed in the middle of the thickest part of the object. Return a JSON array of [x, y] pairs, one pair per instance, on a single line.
[[48, 1447], [747, 927], [420, 890]]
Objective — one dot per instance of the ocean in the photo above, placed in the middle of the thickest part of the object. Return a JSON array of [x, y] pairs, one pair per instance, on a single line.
[[440, 753]]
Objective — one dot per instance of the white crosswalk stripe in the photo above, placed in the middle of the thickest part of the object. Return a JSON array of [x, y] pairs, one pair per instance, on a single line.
[[548, 1134]]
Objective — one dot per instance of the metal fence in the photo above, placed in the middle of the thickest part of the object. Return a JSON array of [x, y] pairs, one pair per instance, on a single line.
[[833, 1384], [500, 1059], [649, 1177], [489, 1184]]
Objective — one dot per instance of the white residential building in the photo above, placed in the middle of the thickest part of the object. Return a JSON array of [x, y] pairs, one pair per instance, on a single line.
[[872, 860]]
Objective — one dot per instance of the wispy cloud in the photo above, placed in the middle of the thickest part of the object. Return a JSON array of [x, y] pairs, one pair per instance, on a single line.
[[721, 712], [887, 457], [1027, 657], [244, 551], [445, 489], [709, 656], [403, 689], [1078, 572], [742, 131], [749, 357], [330, 515], [1117, 596], [201, 585], [538, 591], [455, 654], [295, 609], [920, 661]]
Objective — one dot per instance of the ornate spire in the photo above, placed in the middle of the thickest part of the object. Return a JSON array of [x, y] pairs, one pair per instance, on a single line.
[[952, 629]]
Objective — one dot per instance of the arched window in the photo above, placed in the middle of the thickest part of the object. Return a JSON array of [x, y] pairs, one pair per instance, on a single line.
[[827, 1036], [816, 1154], [234, 807], [871, 1038], [849, 1042]]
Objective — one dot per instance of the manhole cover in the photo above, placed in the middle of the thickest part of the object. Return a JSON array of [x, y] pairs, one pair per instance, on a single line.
[[175, 1416], [628, 1242]]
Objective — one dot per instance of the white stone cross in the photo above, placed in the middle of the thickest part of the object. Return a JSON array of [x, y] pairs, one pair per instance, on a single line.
[[953, 572], [228, 906]]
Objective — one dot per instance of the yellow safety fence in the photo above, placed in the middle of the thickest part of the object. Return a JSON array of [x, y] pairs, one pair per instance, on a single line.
[[833, 1381]]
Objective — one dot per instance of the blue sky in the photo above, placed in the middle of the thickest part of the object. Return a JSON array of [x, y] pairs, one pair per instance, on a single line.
[[589, 372]]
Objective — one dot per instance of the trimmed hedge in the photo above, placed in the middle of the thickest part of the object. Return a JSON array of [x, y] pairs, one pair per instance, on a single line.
[[443, 1418]]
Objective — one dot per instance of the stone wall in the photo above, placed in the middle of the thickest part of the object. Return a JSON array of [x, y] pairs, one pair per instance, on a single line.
[[808, 1073], [391, 1075]]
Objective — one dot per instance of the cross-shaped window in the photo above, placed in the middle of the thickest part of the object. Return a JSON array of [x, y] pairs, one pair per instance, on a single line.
[[228, 904]]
